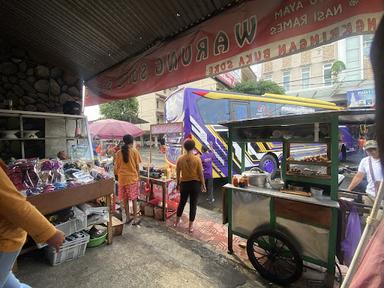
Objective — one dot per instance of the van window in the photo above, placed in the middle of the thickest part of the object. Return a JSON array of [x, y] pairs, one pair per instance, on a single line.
[[213, 111]]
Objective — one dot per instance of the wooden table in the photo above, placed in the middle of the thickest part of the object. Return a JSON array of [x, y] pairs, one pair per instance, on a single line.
[[163, 184], [61, 199]]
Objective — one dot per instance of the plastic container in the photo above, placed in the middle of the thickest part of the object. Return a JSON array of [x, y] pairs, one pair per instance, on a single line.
[[73, 247], [172, 205], [76, 224], [95, 242], [317, 192], [88, 209], [95, 215]]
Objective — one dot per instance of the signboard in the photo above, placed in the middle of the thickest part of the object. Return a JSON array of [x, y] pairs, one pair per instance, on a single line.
[[167, 128], [253, 32], [227, 79], [361, 98]]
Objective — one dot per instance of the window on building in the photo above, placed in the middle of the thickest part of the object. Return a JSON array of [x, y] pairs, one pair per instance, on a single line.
[[367, 42], [286, 80], [305, 75], [353, 58], [267, 77], [236, 74], [327, 74]]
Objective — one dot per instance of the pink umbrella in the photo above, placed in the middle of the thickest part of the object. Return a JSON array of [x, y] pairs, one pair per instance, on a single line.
[[113, 129]]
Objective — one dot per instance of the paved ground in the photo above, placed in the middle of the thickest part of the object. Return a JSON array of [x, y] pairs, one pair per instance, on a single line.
[[150, 256], [154, 255]]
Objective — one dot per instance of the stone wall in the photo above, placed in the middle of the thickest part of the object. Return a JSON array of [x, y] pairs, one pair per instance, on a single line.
[[32, 84]]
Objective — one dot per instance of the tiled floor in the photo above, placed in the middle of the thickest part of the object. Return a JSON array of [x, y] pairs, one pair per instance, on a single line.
[[212, 233], [209, 230]]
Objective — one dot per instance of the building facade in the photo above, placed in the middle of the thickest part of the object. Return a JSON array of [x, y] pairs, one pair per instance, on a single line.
[[310, 74]]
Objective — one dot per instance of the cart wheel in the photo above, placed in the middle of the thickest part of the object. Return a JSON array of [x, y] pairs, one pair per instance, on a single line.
[[274, 256]]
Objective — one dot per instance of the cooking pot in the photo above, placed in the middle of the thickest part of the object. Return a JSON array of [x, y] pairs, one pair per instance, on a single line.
[[257, 177]]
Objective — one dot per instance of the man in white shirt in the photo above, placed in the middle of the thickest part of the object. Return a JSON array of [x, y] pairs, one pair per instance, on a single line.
[[369, 167]]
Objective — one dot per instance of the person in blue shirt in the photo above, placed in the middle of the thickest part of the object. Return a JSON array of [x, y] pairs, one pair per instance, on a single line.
[[207, 159]]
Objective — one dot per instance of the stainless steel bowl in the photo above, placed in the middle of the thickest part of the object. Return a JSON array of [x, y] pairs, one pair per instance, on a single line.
[[257, 177], [276, 184]]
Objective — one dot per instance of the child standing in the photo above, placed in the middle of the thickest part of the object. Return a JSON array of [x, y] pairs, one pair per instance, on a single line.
[[127, 170]]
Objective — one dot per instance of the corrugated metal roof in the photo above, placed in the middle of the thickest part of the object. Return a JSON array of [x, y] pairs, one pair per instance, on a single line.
[[88, 37]]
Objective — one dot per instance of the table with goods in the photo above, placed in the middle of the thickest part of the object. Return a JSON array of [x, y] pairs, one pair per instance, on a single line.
[[74, 194], [158, 194], [293, 219]]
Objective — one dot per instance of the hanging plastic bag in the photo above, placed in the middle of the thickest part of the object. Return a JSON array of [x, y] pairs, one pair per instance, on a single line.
[[352, 236]]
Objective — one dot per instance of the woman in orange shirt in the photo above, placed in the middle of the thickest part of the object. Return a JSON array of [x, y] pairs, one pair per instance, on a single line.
[[190, 180], [17, 218], [127, 170]]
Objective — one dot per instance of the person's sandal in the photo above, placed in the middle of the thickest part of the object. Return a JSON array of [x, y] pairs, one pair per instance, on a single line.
[[177, 223], [129, 221], [136, 222]]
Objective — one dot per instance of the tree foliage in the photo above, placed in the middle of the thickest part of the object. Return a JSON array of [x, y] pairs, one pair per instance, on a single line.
[[258, 87], [337, 67], [125, 110]]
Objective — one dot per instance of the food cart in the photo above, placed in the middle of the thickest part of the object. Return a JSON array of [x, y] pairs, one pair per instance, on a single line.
[[288, 226], [158, 185]]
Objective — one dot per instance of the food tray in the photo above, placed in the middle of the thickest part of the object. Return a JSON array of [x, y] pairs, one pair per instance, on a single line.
[[300, 193]]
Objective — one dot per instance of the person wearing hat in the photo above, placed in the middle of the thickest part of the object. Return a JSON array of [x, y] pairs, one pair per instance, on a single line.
[[369, 167]]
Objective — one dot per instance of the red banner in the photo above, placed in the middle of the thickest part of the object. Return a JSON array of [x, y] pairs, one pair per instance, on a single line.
[[254, 32]]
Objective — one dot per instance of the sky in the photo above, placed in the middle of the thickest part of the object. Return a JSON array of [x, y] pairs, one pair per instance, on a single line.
[[92, 112]]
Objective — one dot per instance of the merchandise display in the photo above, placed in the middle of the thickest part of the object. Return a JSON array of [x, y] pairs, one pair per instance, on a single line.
[[34, 176], [24, 175]]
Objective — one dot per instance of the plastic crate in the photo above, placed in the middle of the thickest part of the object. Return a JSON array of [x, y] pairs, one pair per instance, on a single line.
[[74, 247], [95, 215], [89, 209], [73, 225], [76, 224]]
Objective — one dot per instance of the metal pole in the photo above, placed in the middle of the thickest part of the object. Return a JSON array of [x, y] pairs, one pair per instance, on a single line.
[[370, 227], [150, 151], [242, 156], [85, 119], [229, 191]]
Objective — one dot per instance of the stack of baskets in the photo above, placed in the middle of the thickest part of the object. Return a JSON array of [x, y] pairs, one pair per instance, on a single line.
[[75, 242]]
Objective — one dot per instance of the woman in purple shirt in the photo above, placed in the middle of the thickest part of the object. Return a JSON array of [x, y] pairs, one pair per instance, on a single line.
[[206, 159]]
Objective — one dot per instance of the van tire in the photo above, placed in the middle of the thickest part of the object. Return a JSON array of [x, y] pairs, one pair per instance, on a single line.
[[269, 164]]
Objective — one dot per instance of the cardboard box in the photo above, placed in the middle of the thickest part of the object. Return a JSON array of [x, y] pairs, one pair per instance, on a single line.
[[148, 211], [117, 227]]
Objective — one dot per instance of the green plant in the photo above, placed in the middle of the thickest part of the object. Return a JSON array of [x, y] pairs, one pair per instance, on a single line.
[[125, 110], [258, 87], [337, 67]]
